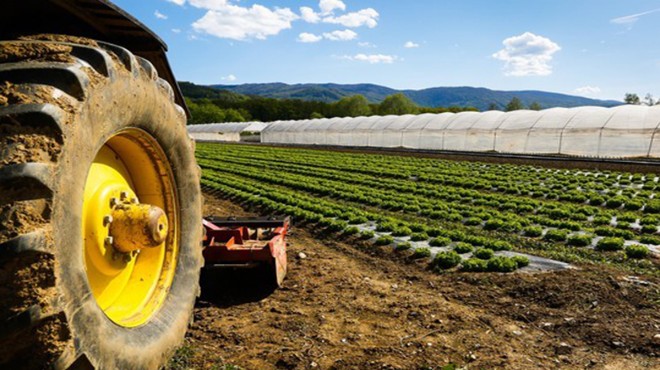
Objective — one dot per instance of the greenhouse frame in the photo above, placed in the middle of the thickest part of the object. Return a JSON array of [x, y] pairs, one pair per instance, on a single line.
[[619, 132]]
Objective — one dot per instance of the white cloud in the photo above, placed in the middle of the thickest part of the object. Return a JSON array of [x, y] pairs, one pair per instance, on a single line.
[[230, 78], [587, 90], [209, 4], [160, 15], [328, 6], [176, 30], [372, 58], [366, 44], [225, 19], [344, 35], [308, 15], [309, 38], [365, 17], [527, 55], [629, 20], [239, 23], [410, 45]]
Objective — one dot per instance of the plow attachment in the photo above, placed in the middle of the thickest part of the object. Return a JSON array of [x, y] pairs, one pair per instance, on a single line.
[[246, 243]]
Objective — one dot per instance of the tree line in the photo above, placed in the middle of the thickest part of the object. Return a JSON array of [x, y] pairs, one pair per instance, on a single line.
[[516, 104], [634, 99], [243, 108], [240, 108]]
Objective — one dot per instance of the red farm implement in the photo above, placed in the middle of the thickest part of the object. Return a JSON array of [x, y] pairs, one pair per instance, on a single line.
[[246, 243]]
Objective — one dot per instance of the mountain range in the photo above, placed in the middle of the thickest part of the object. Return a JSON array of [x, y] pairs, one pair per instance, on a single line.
[[478, 97]]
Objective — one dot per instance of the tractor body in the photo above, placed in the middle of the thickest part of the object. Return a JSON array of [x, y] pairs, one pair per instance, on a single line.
[[94, 19]]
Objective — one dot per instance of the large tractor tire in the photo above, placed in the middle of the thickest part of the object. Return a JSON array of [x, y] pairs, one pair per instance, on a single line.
[[94, 156]]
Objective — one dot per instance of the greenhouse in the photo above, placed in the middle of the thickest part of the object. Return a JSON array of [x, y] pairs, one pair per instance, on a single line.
[[623, 131], [236, 131]]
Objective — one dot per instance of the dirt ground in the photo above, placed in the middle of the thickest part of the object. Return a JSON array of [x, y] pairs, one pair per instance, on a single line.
[[357, 307]]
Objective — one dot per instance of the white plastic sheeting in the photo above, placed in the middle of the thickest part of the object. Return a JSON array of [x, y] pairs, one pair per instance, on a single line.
[[224, 131], [623, 131]]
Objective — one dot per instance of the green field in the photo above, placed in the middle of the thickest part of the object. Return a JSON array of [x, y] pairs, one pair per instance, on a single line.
[[451, 207]]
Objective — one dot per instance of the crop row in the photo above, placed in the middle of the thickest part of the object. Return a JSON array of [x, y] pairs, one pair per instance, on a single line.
[[332, 189]]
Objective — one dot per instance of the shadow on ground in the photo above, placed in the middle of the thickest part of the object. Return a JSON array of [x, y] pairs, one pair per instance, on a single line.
[[229, 287]]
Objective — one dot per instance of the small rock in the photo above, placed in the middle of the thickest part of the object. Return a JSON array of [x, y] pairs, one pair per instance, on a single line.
[[563, 349], [395, 286], [429, 344], [302, 256], [546, 325], [656, 339], [617, 344], [569, 319], [563, 358], [313, 364], [517, 333], [472, 357], [344, 340]]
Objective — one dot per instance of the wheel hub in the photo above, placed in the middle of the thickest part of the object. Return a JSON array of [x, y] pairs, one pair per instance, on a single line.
[[129, 228], [137, 226]]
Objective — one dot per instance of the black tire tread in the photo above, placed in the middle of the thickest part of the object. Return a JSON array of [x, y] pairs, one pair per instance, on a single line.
[[36, 330]]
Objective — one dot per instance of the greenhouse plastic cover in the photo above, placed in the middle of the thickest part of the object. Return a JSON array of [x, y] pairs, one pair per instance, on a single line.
[[228, 127], [623, 131]]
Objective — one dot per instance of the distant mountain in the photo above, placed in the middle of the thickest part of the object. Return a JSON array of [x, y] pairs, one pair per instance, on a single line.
[[478, 97], [192, 91]]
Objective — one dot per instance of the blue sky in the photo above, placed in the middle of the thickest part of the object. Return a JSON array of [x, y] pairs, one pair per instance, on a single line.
[[595, 48]]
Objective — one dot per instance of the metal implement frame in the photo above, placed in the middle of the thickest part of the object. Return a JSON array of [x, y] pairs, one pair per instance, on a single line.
[[229, 242]]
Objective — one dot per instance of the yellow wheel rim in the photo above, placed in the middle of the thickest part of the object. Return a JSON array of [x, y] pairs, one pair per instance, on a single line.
[[129, 287]]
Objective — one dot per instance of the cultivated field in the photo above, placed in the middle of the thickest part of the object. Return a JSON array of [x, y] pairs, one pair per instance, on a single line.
[[353, 306], [469, 216], [356, 299]]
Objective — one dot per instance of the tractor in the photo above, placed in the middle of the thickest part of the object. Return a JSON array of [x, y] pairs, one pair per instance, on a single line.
[[101, 228]]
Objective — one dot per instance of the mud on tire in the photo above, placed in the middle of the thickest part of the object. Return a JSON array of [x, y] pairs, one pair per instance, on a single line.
[[59, 103]]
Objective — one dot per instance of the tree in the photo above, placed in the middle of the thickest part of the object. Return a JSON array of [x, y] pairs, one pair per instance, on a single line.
[[204, 111], [535, 106], [233, 115], [631, 98], [514, 104], [397, 104], [493, 106], [316, 115], [353, 106], [649, 100]]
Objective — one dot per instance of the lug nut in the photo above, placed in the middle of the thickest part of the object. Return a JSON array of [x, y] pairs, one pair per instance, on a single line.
[[107, 220], [123, 195], [113, 202], [134, 200], [108, 241]]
